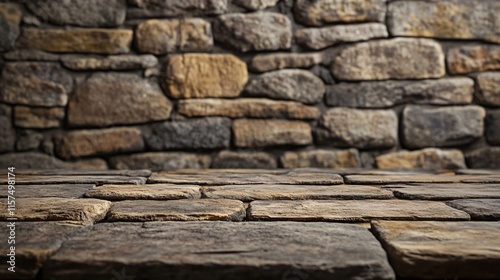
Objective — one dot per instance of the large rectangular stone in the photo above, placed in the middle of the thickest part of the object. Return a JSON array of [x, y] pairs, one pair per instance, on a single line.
[[479, 209], [263, 133], [445, 191], [29, 117], [77, 179], [321, 159], [175, 8], [422, 178], [39, 191], [473, 58], [151, 191]]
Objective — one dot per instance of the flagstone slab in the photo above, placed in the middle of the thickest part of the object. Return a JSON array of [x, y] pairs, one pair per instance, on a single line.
[[152, 191], [39, 191], [221, 250], [446, 191], [294, 192], [352, 210], [177, 210], [77, 179], [35, 243], [397, 179], [479, 209], [478, 172], [69, 172], [441, 250]]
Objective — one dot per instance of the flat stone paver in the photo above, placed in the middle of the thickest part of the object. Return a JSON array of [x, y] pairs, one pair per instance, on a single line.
[[38, 191], [294, 192], [441, 250], [399, 179], [68, 172], [479, 209], [152, 191], [177, 210], [221, 250], [86, 211], [352, 210], [446, 191], [77, 179], [478, 172]]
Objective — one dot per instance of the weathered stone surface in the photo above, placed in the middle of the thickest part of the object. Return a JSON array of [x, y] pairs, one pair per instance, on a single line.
[[263, 133], [478, 172], [489, 88], [352, 211], [8, 133], [123, 99], [430, 158], [30, 160], [41, 191], [441, 127], [56, 172], [441, 250], [445, 191], [112, 62], [290, 84], [35, 243], [160, 161], [204, 75], [468, 59], [269, 251], [419, 178], [35, 84], [96, 142], [155, 191], [246, 107], [91, 13], [479, 209], [30, 55], [76, 179], [206, 133], [321, 158], [173, 8], [277, 61], [488, 157], [256, 4], [260, 31], [389, 93], [10, 18], [89, 40], [28, 140], [453, 19], [317, 13], [228, 159], [367, 129], [399, 58], [87, 211], [492, 127], [164, 36], [320, 38], [37, 117], [177, 210]]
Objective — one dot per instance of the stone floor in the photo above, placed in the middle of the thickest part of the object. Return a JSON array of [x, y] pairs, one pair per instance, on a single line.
[[297, 224]]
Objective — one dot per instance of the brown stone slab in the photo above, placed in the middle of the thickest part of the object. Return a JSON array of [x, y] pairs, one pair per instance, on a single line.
[[68, 172], [399, 179], [294, 192], [352, 210], [478, 172], [57, 209], [38, 191], [221, 250], [76, 179], [35, 243], [479, 209], [446, 191], [154, 191], [177, 210], [441, 250]]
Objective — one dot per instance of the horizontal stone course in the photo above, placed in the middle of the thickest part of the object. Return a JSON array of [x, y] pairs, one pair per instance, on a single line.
[[264, 133], [29, 117], [321, 159], [173, 8], [473, 58], [445, 191], [112, 62], [158, 161], [277, 61], [140, 192], [430, 158], [228, 159]]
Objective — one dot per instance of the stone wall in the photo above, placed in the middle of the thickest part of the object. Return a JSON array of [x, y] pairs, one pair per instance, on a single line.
[[165, 84]]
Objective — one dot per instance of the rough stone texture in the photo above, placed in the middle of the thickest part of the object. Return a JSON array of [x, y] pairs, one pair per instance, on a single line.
[[123, 99], [260, 31], [228, 159], [30, 160], [430, 158], [30, 117], [246, 107], [367, 129], [320, 38], [321, 158], [453, 19], [492, 127], [87, 211], [10, 18], [89, 40], [160, 161], [204, 75], [277, 61], [155, 191], [445, 191], [35, 84], [8, 134], [270, 251], [352, 211], [468, 59], [164, 36], [316, 13], [441, 250], [28, 140], [441, 127], [256, 4], [97, 142], [294, 192], [57, 172], [41, 191], [30, 55], [173, 8], [207, 133], [76, 179], [290, 84], [489, 88], [488, 157], [419, 178], [263, 133], [177, 210], [399, 58], [92, 13], [112, 62], [390, 93], [479, 209]]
